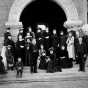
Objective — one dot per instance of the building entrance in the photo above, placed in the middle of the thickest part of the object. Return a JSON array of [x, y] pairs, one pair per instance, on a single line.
[[43, 12]]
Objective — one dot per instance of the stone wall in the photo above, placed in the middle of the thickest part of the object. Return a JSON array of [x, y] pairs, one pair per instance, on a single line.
[[5, 6], [81, 6]]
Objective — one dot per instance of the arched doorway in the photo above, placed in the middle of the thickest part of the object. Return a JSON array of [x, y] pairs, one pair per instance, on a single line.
[[43, 12], [18, 6]]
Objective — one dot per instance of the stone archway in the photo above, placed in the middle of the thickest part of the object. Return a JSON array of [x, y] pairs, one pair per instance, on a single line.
[[18, 6]]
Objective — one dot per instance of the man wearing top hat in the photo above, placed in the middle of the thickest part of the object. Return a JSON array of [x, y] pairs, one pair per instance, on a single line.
[[81, 53]]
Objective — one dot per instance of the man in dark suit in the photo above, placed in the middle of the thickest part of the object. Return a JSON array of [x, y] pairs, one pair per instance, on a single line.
[[27, 50], [81, 52]]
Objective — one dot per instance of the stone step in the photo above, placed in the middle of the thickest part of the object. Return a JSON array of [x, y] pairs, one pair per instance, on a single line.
[[66, 74]]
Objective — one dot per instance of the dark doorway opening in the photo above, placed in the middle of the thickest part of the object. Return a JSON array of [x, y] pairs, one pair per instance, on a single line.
[[43, 12]]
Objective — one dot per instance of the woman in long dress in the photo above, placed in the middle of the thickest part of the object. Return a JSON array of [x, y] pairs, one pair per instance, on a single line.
[[70, 46], [20, 49], [42, 55]]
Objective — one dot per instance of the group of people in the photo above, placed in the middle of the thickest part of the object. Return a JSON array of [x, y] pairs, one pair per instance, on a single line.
[[44, 50]]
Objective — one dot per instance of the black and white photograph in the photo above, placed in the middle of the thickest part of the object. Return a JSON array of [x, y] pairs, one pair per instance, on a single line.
[[43, 43]]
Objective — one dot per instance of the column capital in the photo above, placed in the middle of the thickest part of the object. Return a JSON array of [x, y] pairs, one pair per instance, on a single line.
[[73, 24], [14, 28], [14, 24]]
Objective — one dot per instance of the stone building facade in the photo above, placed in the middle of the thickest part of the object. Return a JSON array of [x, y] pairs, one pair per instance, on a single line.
[[10, 11]]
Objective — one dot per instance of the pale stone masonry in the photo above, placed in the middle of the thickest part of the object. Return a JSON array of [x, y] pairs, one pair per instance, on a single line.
[[79, 8]]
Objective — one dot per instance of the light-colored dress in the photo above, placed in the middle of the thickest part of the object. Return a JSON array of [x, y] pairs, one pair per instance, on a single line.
[[3, 54], [70, 47]]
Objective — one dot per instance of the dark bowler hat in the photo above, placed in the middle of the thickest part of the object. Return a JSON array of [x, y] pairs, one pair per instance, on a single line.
[[8, 28]]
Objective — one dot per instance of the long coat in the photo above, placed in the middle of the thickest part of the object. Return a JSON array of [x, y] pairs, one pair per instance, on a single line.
[[20, 50], [81, 49], [34, 55], [70, 47]]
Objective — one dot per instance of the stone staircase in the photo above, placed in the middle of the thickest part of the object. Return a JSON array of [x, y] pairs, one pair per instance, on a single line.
[[66, 75]]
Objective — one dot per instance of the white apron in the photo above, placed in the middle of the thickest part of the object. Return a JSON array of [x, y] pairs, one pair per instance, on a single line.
[[70, 47], [3, 51]]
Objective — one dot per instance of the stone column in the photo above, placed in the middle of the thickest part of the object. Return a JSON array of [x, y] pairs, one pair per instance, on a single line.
[[14, 26]]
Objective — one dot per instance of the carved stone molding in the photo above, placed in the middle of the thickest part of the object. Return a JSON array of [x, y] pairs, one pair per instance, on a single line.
[[73, 25], [14, 28]]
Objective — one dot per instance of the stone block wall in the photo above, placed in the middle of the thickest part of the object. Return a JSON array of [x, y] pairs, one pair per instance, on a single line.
[[5, 6]]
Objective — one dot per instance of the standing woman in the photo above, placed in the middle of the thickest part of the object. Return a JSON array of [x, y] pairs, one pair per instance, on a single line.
[[42, 55], [70, 46], [34, 57], [20, 48], [27, 51]]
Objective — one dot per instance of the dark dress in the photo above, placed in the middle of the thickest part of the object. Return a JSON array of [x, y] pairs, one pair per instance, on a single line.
[[47, 43], [6, 34], [42, 54], [85, 40], [51, 64], [28, 51], [12, 44], [10, 59], [65, 62], [54, 41], [39, 39], [20, 50], [2, 68], [33, 59], [42, 64]]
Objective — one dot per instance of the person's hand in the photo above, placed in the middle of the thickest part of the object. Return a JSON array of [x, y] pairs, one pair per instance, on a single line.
[[40, 38], [47, 37], [22, 46], [48, 60], [27, 48], [58, 45], [63, 48], [84, 55]]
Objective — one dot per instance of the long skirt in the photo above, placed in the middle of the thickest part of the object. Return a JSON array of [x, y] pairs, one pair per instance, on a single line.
[[43, 64], [3, 54], [50, 67], [71, 52]]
